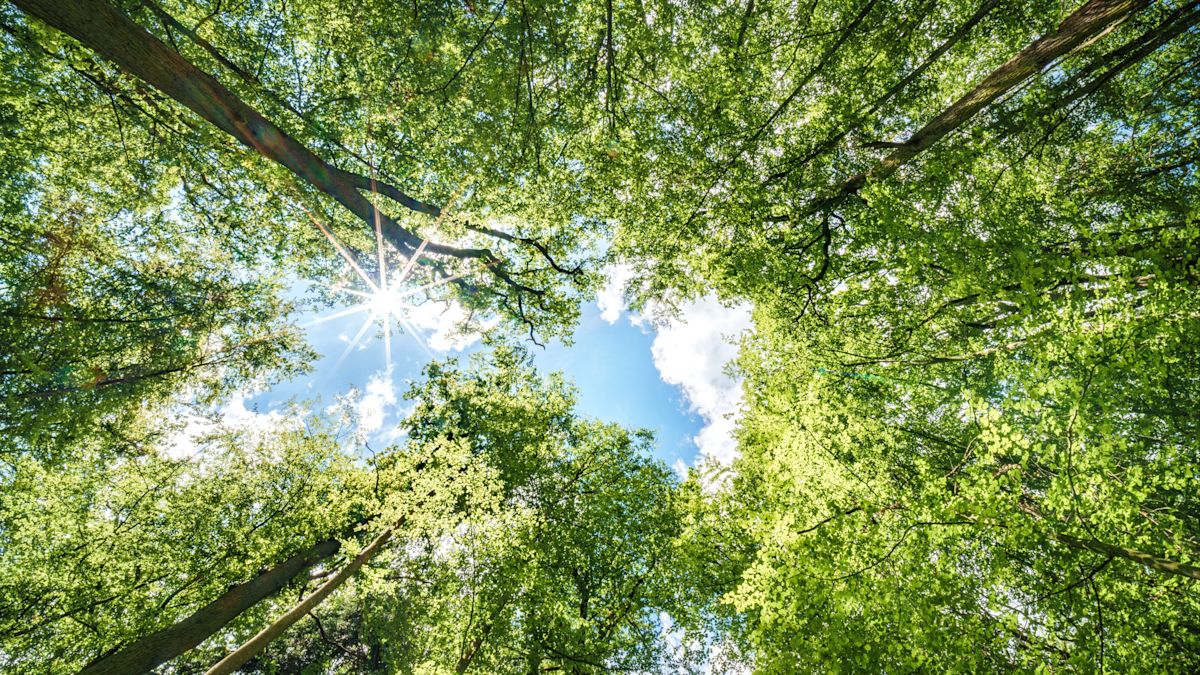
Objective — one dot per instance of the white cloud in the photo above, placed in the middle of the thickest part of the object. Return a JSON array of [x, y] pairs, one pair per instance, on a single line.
[[372, 407], [680, 468], [185, 443], [696, 653], [236, 414], [445, 320], [611, 297], [716, 440], [691, 352]]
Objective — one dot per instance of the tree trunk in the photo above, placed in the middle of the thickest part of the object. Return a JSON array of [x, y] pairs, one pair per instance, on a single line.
[[256, 644], [157, 648], [1140, 557], [831, 142], [104, 29], [1090, 22], [1136, 51], [465, 660]]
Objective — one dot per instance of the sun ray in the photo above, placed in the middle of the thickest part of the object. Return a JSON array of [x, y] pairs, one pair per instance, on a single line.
[[414, 334], [338, 287], [387, 344], [379, 237], [345, 254], [389, 297], [353, 343], [412, 261], [438, 221], [338, 315], [352, 291]]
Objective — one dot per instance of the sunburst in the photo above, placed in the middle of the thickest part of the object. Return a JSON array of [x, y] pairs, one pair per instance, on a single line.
[[388, 298]]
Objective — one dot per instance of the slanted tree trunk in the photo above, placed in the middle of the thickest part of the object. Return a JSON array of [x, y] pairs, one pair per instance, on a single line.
[[1177, 23], [1151, 561], [1087, 24], [248, 77], [256, 644], [464, 662], [114, 36], [855, 119], [159, 647]]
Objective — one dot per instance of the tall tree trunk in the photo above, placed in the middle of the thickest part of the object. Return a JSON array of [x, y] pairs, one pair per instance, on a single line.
[[855, 119], [256, 644], [157, 648], [464, 662], [1140, 557], [1137, 50], [1090, 22], [114, 36], [250, 78]]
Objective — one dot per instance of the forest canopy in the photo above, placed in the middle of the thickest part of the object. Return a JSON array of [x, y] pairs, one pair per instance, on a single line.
[[967, 233]]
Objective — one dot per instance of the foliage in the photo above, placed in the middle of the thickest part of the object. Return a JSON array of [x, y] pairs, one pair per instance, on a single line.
[[556, 545], [97, 553], [932, 515], [966, 429], [566, 567], [112, 301], [967, 228]]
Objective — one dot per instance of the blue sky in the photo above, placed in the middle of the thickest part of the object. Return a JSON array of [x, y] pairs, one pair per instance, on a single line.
[[614, 364]]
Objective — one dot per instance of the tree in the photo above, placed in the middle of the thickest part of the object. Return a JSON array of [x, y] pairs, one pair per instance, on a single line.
[[210, 189], [967, 228], [566, 569], [181, 233], [544, 305], [1006, 509], [959, 449], [99, 555], [789, 160], [557, 543], [112, 303]]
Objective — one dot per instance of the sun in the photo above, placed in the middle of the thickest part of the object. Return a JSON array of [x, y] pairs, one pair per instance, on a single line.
[[386, 303], [391, 296], [388, 298]]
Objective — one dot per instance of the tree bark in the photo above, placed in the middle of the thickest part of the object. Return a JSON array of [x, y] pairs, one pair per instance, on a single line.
[[104, 29], [1136, 51], [250, 78], [464, 662], [830, 142], [1090, 22], [1141, 557], [157, 648], [256, 644]]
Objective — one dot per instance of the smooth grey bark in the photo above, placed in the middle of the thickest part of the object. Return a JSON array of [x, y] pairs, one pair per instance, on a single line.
[[161, 646], [114, 36], [1088, 23]]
